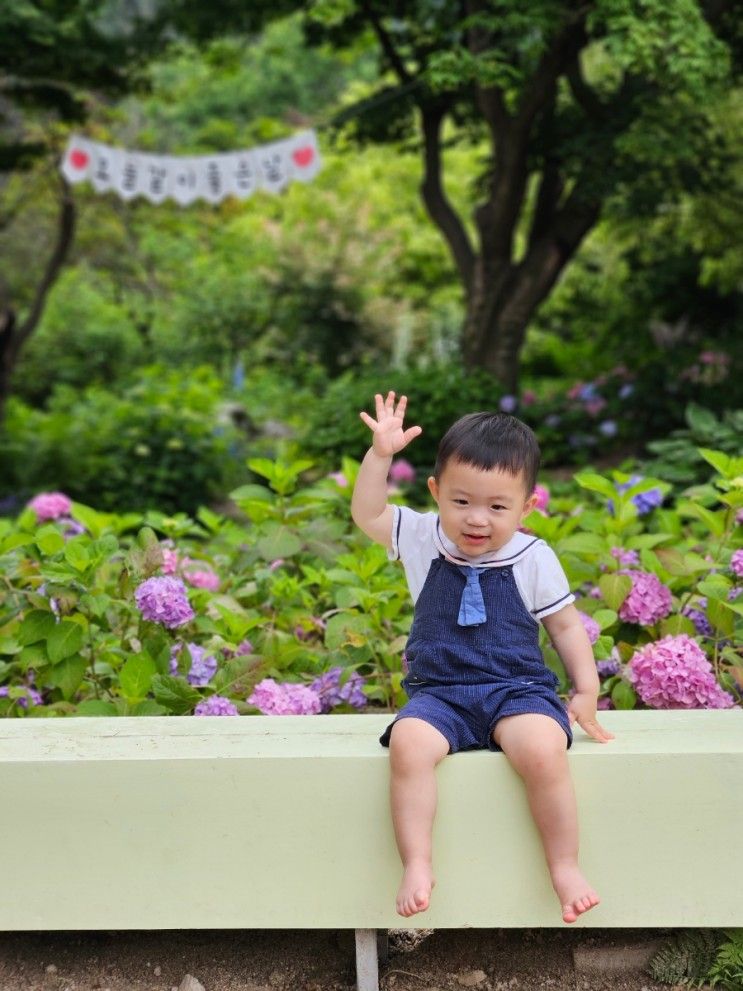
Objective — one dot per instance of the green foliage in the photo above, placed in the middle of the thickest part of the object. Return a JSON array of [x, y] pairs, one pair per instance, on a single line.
[[159, 442], [437, 396], [687, 957], [680, 458], [727, 970], [86, 338], [296, 591]]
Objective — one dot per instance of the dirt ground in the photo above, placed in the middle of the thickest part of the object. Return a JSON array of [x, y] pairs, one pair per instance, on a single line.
[[312, 960]]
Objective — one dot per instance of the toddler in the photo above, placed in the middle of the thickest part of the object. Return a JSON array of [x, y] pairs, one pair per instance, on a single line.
[[476, 678]]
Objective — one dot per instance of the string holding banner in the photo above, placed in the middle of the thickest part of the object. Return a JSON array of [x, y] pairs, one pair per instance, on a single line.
[[186, 179]]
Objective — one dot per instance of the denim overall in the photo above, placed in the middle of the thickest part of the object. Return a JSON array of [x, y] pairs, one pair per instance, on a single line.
[[463, 679]]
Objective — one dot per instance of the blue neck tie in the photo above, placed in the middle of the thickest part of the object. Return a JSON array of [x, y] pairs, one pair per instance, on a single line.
[[472, 605]]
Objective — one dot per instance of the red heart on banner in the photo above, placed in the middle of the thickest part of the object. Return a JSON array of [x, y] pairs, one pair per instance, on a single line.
[[79, 159], [303, 156]]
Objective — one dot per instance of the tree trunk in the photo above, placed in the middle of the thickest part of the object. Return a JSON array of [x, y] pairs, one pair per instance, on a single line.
[[503, 297], [14, 335]]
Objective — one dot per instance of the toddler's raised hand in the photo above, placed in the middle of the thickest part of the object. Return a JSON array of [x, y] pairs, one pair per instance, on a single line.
[[389, 436]]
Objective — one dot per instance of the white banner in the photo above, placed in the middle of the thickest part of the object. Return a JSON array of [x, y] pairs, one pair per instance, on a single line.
[[184, 178]]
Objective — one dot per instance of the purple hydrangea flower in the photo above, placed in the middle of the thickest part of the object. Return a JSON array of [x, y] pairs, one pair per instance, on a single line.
[[736, 562], [508, 403], [331, 692], [674, 673], [31, 693], [648, 601], [699, 619], [203, 665], [284, 699], [70, 527], [163, 599], [50, 506], [625, 557], [216, 705], [645, 501], [608, 428], [608, 667]]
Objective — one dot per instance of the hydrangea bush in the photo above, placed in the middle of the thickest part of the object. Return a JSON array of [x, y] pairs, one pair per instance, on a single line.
[[287, 609]]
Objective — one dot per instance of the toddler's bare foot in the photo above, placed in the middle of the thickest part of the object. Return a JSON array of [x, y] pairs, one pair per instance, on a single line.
[[575, 893], [414, 894]]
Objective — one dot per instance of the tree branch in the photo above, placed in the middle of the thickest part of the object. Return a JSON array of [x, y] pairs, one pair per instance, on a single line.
[[439, 208], [584, 95], [65, 234], [489, 98], [561, 53], [385, 41]]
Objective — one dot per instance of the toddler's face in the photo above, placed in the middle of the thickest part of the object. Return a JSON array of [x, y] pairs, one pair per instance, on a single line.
[[480, 510]]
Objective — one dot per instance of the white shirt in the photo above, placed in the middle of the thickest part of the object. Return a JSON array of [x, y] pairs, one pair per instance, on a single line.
[[417, 539]]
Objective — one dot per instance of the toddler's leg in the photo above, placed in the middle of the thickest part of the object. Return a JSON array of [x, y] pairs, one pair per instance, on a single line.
[[537, 749], [416, 748]]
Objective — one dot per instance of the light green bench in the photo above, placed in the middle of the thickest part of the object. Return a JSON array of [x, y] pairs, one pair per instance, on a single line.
[[282, 823]]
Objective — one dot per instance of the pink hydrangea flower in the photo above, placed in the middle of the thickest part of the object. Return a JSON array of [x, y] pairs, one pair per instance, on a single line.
[[216, 705], [401, 471], [590, 625], [274, 698], [736, 563], [625, 557], [164, 600], [648, 601], [205, 578], [50, 506], [339, 478], [543, 497], [170, 561], [674, 673]]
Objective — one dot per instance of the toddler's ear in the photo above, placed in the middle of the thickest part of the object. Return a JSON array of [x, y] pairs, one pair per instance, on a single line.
[[433, 488], [529, 504]]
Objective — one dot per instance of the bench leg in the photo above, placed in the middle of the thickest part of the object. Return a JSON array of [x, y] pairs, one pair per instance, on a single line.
[[367, 966]]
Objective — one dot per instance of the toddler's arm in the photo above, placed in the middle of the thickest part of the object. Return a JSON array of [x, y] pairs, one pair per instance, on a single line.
[[570, 640], [369, 507]]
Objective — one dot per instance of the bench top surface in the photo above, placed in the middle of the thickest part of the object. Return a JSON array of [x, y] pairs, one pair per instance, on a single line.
[[354, 736]]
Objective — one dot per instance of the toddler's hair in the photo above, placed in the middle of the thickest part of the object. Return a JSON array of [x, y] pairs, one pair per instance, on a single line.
[[491, 440]]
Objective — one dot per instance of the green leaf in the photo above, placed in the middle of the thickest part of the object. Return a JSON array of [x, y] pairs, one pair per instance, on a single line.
[[68, 675], [148, 707], [49, 540], [14, 540], [36, 625], [714, 588], [135, 677], [278, 542], [583, 543], [76, 554], [596, 483], [605, 617], [721, 617], [64, 640], [95, 707], [615, 589], [674, 625], [623, 696], [345, 629], [175, 694], [92, 521], [721, 462]]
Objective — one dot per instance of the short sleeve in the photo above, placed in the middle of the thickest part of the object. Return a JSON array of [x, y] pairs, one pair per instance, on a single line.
[[542, 582], [412, 543]]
